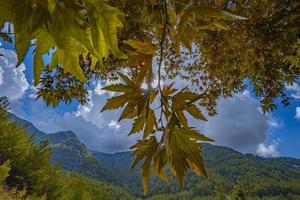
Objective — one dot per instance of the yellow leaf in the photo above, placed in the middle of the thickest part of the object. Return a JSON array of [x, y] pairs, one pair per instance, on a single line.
[[128, 112], [196, 113], [138, 124], [125, 78], [150, 123], [38, 66], [146, 48], [193, 134], [182, 119], [145, 174], [117, 88], [115, 102]]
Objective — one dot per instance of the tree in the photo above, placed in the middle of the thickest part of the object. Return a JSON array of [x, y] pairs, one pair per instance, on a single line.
[[219, 191], [26, 167], [238, 193], [221, 47]]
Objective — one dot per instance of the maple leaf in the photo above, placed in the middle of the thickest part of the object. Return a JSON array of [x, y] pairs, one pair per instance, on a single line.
[[62, 24]]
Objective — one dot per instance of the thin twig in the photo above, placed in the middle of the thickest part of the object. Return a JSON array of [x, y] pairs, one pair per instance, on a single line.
[[162, 41]]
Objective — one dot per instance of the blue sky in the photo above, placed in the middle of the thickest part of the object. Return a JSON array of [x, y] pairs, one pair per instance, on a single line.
[[239, 125]]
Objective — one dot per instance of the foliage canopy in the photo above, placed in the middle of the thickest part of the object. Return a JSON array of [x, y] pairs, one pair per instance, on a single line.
[[215, 45]]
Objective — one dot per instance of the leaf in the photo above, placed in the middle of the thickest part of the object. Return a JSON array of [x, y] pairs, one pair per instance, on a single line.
[[146, 48], [168, 90], [125, 78], [211, 12], [128, 112], [38, 67], [193, 134], [183, 151], [63, 25], [160, 160], [145, 150], [44, 42], [117, 88], [6, 14], [182, 118], [150, 123], [138, 124], [153, 95], [104, 22], [145, 174], [115, 102], [196, 113], [48, 4]]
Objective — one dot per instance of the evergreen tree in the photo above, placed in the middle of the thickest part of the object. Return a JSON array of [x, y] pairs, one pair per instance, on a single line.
[[30, 166], [219, 191], [238, 193]]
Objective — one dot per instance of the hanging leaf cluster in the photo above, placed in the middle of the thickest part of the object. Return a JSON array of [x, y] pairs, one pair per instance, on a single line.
[[71, 28], [178, 146]]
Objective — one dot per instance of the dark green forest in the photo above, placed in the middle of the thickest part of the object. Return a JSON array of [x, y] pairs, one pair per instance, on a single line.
[[35, 165]]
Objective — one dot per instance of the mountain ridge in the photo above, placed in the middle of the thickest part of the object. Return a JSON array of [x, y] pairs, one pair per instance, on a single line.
[[278, 176]]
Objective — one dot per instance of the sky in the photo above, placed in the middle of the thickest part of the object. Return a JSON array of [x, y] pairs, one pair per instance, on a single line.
[[239, 124]]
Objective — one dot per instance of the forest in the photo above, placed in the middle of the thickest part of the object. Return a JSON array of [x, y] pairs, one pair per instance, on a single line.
[[165, 67]]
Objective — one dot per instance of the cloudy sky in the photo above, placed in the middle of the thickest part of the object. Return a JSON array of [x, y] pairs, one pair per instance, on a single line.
[[239, 124]]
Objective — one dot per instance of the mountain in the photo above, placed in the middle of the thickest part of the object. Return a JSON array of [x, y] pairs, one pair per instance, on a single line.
[[70, 153], [259, 178]]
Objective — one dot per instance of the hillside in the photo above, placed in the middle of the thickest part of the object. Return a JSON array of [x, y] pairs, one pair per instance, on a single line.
[[259, 177], [71, 154]]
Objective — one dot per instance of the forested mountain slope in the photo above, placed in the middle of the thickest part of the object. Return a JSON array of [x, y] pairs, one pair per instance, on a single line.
[[258, 177], [71, 154], [26, 171]]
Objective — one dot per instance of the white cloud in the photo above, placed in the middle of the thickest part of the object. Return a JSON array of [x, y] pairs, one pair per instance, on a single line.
[[99, 131], [294, 88], [1, 75], [239, 124], [274, 123], [114, 124], [98, 89], [13, 83], [268, 150], [297, 113]]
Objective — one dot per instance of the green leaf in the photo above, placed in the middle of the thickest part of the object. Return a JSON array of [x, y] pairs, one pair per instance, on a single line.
[[63, 24], [38, 66], [153, 95], [150, 123], [104, 22], [146, 173], [115, 103], [138, 124], [145, 150], [146, 48], [196, 113], [125, 78], [182, 118], [117, 88], [128, 112], [193, 134]]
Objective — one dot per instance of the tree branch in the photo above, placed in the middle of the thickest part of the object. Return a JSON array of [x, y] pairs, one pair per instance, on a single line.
[[161, 44]]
